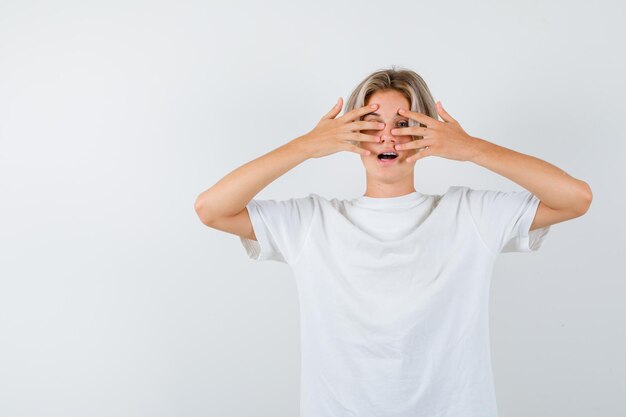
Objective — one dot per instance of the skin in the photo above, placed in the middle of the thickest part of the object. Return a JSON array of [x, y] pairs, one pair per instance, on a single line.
[[223, 206], [562, 197], [388, 180]]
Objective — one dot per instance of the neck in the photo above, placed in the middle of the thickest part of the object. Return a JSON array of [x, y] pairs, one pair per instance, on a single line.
[[379, 189]]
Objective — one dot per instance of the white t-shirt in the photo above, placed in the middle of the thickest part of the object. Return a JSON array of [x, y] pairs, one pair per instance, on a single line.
[[394, 296]]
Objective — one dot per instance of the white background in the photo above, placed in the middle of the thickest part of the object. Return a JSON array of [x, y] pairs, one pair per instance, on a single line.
[[116, 301]]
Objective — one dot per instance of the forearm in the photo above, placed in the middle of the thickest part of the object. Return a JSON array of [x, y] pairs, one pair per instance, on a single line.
[[230, 195], [553, 186]]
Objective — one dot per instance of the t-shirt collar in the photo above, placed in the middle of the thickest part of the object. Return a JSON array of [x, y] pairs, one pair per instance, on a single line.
[[405, 200]]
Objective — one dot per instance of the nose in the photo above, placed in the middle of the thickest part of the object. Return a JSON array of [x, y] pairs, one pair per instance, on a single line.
[[387, 138], [385, 134]]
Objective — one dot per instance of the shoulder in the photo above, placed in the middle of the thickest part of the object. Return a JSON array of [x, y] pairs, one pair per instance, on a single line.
[[479, 195], [326, 203], [457, 190], [458, 193], [473, 199], [292, 202]]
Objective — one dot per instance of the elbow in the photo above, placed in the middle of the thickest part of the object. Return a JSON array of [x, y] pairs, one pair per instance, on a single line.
[[197, 205], [585, 199], [201, 211]]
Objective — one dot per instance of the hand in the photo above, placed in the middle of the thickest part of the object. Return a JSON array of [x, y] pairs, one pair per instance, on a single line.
[[446, 139], [333, 135]]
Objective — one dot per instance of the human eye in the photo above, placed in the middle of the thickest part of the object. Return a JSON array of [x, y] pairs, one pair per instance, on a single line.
[[404, 121]]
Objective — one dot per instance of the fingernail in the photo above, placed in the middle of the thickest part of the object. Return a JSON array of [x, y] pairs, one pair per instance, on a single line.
[[373, 106]]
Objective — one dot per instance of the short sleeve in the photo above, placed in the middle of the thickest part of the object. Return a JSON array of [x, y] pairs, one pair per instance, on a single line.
[[281, 228], [503, 219]]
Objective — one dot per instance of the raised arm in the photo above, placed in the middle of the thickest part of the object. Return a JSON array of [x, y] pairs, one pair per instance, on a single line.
[[562, 197], [223, 206], [230, 195]]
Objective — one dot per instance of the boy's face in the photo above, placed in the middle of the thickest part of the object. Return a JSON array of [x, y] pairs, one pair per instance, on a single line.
[[389, 170]]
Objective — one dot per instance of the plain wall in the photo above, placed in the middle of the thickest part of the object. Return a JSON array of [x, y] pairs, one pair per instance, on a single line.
[[114, 115]]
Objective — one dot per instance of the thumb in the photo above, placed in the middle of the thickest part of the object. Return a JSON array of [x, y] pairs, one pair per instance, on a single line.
[[335, 110]]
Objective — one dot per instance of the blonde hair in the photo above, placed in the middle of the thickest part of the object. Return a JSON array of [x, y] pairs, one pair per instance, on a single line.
[[407, 82]]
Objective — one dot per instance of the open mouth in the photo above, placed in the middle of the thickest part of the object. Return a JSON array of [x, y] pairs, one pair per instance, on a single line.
[[387, 155], [387, 158]]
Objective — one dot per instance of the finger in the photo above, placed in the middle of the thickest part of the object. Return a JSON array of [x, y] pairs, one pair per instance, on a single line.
[[415, 144], [422, 118], [355, 114], [359, 150], [363, 125], [444, 114], [419, 155], [334, 111], [362, 137], [411, 130]]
